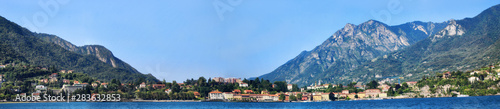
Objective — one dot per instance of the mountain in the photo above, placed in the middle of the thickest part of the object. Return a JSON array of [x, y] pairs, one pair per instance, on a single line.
[[102, 53], [19, 45], [462, 45], [350, 47]]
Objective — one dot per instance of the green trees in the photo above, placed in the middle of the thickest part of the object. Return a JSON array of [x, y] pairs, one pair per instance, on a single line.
[[372, 85], [293, 98], [280, 86], [282, 97], [299, 96], [332, 97]]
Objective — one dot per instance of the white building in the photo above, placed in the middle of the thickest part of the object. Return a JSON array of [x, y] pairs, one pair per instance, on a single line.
[[289, 86], [216, 95], [242, 84]]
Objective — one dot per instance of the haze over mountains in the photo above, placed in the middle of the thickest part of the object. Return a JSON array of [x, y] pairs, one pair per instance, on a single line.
[[19, 45], [360, 53]]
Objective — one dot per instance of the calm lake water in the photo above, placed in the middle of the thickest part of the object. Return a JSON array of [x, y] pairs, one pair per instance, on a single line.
[[483, 102]]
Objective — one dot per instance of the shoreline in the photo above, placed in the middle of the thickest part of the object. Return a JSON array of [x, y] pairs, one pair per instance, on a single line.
[[180, 101]]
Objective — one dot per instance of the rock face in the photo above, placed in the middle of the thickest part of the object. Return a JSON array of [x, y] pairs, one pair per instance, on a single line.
[[100, 52], [19, 45], [462, 45], [373, 50], [350, 47]]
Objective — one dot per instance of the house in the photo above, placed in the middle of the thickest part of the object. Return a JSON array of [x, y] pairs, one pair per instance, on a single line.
[[53, 75], [227, 95], [264, 92], [105, 85], [345, 91], [40, 87], [446, 75], [22, 94], [196, 94], [63, 71], [37, 95], [473, 79], [361, 94], [2, 66], [382, 95], [44, 80], [142, 85], [372, 93], [304, 98], [386, 88], [94, 84], [237, 91], [289, 86], [242, 84], [168, 90], [411, 83], [215, 95], [325, 96], [66, 81], [248, 91], [316, 96], [158, 86], [352, 95], [76, 82]]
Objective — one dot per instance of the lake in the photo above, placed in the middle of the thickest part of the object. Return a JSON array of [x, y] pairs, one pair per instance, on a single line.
[[483, 102]]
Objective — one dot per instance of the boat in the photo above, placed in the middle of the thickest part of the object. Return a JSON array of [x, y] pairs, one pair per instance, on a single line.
[[463, 96]]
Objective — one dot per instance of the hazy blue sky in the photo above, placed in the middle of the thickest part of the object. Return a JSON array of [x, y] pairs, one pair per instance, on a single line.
[[181, 39]]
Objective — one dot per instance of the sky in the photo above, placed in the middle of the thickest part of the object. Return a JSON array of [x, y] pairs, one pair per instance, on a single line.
[[184, 39]]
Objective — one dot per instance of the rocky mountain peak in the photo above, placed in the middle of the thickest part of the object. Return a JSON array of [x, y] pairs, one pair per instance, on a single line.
[[452, 29]]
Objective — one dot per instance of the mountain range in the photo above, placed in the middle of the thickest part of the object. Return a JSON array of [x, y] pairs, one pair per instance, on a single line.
[[19, 45], [374, 50]]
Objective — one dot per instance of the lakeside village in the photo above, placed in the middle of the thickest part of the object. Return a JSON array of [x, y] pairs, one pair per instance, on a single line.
[[26, 80]]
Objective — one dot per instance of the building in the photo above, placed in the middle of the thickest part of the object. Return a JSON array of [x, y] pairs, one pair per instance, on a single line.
[[216, 95], [40, 87], [76, 82], [158, 86], [104, 85], [361, 94], [168, 90], [242, 84], [71, 89], [66, 81], [316, 96], [196, 94], [352, 95], [289, 87], [218, 79], [325, 96], [94, 84], [447, 75], [473, 79], [372, 93], [228, 95], [248, 91], [237, 91], [345, 91], [411, 83], [382, 95], [142, 85]]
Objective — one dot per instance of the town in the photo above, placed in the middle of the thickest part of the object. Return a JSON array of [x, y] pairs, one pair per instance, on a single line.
[[38, 81]]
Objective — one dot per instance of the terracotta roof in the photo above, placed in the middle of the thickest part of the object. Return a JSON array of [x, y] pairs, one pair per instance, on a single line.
[[216, 91]]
